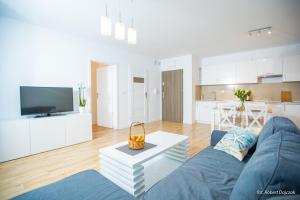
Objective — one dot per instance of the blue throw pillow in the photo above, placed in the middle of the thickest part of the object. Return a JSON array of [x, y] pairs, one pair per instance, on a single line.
[[274, 125], [237, 142], [273, 169]]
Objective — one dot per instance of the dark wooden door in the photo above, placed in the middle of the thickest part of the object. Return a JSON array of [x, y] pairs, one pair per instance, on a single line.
[[172, 95]]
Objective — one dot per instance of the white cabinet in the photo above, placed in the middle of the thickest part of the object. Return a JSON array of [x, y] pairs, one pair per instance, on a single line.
[[218, 74], [277, 109], [78, 129], [246, 72], [291, 68], [23, 137], [47, 133], [204, 111], [292, 111], [208, 75], [14, 139], [225, 74], [268, 66]]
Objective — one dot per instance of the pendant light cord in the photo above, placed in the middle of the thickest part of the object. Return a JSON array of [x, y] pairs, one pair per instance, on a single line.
[[132, 12], [120, 14], [106, 13]]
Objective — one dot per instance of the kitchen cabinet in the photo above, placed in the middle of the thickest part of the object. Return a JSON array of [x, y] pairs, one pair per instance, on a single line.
[[277, 109], [292, 111], [218, 74], [225, 74], [291, 68], [246, 72], [268, 66], [208, 75], [204, 111]]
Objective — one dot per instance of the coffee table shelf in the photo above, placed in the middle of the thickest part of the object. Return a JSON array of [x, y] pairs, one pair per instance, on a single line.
[[136, 174]]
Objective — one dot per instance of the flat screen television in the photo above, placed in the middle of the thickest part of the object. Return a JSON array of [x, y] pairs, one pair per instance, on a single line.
[[45, 100]]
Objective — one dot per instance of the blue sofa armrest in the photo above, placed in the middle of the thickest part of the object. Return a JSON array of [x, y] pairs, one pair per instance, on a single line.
[[216, 136]]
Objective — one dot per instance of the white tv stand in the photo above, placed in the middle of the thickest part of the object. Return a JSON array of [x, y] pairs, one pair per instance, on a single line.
[[27, 136]]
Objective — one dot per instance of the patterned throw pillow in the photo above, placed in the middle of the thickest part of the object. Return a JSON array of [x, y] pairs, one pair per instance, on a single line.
[[237, 142]]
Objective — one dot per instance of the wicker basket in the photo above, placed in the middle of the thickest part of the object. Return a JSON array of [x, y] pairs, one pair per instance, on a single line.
[[136, 141]]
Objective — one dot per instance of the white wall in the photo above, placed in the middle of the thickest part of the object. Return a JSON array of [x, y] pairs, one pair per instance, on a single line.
[[189, 66], [34, 55], [279, 51]]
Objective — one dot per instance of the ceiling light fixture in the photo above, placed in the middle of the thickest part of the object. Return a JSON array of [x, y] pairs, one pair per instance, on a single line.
[[260, 31], [105, 23], [131, 34], [120, 27]]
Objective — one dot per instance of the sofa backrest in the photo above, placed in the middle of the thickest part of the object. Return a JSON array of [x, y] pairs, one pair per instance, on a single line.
[[274, 125], [274, 168]]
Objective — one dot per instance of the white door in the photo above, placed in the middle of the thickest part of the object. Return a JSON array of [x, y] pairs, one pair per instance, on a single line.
[[105, 96], [139, 99]]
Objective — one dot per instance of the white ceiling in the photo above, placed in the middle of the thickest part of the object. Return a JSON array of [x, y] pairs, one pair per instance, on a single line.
[[169, 28]]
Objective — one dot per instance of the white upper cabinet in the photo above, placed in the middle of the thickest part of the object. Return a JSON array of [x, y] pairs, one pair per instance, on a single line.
[[208, 75], [218, 74], [291, 68], [268, 66], [246, 72], [226, 74]]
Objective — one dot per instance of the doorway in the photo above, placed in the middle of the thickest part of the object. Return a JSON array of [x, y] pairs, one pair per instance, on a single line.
[[172, 95], [104, 96]]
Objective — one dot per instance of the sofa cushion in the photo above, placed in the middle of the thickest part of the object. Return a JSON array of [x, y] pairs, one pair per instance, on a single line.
[[237, 142], [273, 167], [274, 125], [210, 174], [85, 185]]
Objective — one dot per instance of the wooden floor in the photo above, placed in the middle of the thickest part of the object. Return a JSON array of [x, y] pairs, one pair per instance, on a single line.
[[98, 131], [24, 174]]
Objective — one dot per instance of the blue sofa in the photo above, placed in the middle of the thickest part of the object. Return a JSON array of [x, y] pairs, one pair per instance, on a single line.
[[273, 166]]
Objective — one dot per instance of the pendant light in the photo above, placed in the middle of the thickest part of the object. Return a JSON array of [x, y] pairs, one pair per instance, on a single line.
[[105, 23], [131, 34], [120, 27]]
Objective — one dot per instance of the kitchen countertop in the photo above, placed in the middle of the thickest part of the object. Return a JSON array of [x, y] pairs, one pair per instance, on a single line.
[[256, 101]]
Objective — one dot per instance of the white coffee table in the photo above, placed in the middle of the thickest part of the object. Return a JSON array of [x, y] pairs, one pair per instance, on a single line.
[[137, 173]]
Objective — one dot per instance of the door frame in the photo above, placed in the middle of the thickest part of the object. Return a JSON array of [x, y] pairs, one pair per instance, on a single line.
[[93, 72]]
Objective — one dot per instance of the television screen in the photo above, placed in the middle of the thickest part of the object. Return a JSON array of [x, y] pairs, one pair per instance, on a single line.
[[45, 100]]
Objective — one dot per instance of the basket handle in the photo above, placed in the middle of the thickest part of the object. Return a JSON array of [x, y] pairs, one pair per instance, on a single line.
[[133, 124]]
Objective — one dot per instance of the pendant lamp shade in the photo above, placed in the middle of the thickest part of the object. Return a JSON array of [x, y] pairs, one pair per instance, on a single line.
[[131, 35], [105, 26], [120, 31]]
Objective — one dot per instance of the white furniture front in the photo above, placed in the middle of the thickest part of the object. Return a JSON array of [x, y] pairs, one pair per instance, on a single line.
[[250, 70], [139, 172], [205, 110], [26, 136]]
